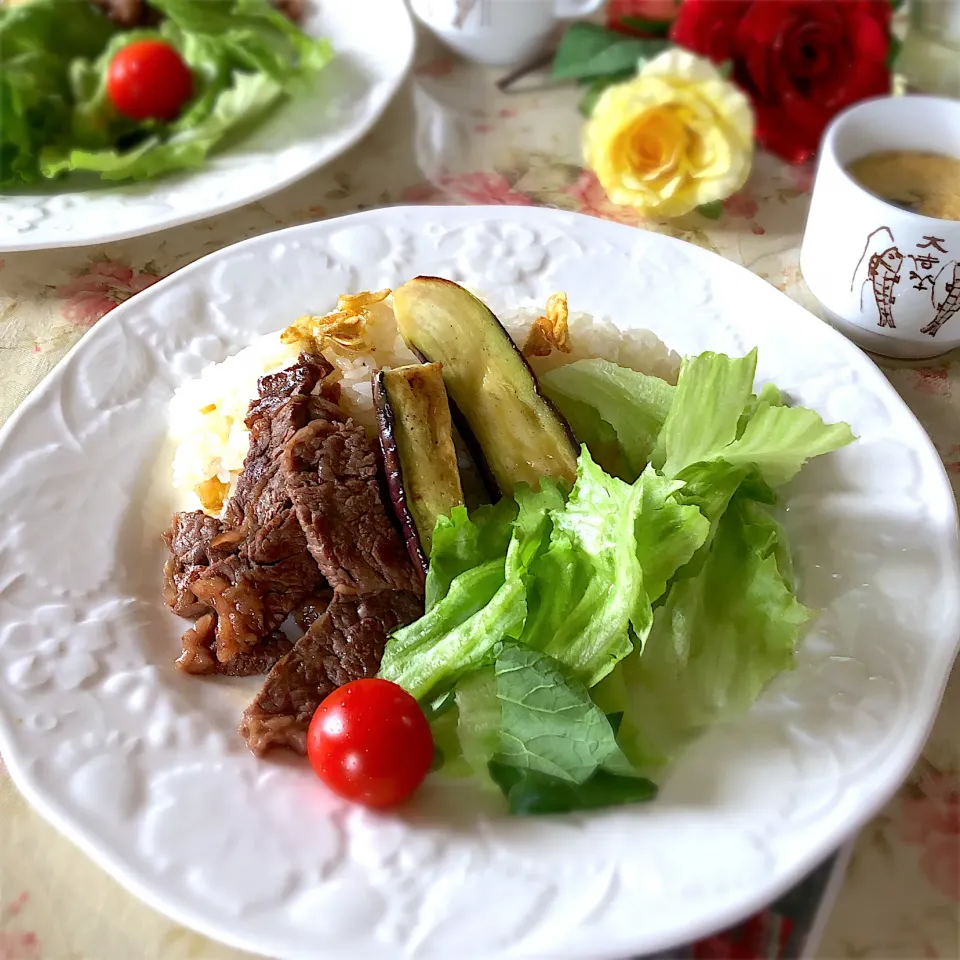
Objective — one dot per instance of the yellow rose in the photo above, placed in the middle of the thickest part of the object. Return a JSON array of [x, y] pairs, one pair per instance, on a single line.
[[676, 136]]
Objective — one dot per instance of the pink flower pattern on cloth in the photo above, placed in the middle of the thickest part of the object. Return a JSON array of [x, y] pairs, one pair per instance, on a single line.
[[93, 293], [930, 820]]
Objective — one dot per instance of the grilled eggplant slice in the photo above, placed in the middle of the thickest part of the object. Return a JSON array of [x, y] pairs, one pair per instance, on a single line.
[[520, 433], [418, 452]]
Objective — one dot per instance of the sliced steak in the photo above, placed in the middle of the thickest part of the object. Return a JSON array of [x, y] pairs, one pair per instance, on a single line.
[[331, 477], [273, 419], [272, 572], [195, 541], [312, 609], [199, 655], [129, 13], [345, 644], [299, 379], [251, 599], [139, 13]]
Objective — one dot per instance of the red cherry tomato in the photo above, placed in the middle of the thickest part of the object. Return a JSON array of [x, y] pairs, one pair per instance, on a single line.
[[148, 80], [370, 742]]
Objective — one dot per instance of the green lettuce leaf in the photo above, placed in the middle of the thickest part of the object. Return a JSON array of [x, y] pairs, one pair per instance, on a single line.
[[711, 395], [716, 642], [600, 438], [481, 607], [669, 531], [462, 541], [447, 756], [260, 39], [244, 56], [768, 394], [457, 634], [587, 600], [633, 404], [479, 720], [716, 416], [38, 43], [245, 101], [778, 441]]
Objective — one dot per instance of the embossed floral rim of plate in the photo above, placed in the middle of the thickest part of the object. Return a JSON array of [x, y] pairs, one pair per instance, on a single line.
[[142, 767], [374, 44]]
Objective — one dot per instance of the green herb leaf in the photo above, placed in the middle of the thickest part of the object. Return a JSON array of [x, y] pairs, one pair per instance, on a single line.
[[530, 792], [549, 722], [712, 210], [896, 45], [649, 28], [588, 50], [596, 87], [725, 69]]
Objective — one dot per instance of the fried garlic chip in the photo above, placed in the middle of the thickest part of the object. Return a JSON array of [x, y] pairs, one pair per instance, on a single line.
[[550, 332], [212, 493], [345, 327]]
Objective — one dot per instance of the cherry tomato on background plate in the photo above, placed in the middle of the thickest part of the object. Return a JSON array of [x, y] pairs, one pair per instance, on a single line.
[[148, 80], [370, 742]]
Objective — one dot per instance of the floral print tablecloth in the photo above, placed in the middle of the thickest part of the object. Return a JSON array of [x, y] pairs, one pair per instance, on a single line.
[[452, 138]]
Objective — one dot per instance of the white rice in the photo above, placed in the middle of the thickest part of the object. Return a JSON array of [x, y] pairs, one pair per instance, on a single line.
[[206, 414]]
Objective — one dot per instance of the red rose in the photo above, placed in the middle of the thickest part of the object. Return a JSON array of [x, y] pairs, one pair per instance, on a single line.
[[800, 61]]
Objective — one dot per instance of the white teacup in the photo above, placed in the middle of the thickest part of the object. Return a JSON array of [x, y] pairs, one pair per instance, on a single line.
[[888, 278], [498, 32]]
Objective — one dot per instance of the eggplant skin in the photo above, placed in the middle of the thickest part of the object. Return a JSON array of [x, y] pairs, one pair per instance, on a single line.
[[394, 475], [418, 453], [500, 409]]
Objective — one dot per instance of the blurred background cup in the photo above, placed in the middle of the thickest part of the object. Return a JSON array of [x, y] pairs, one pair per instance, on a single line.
[[886, 276], [930, 57], [499, 32]]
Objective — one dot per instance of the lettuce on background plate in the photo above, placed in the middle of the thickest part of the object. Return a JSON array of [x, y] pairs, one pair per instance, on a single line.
[[56, 116]]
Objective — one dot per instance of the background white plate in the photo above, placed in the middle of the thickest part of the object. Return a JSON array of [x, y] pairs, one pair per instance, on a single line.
[[374, 44], [143, 768]]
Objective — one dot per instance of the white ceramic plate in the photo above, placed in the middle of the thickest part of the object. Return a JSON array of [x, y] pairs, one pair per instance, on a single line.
[[374, 42], [142, 766]]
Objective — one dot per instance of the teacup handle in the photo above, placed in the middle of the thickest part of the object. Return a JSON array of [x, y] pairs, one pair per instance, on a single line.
[[571, 9]]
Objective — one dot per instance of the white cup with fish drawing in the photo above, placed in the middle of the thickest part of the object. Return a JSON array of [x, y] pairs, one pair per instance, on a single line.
[[881, 249], [499, 32]]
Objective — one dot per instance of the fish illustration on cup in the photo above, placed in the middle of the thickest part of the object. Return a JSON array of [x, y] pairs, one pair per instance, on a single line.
[[929, 270]]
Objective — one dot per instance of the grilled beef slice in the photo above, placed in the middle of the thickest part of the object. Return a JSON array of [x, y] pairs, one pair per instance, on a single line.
[[307, 506], [331, 476], [199, 654], [138, 13], [312, 609], [267, 570], [331, 473], [345, 644], [191, 540]]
